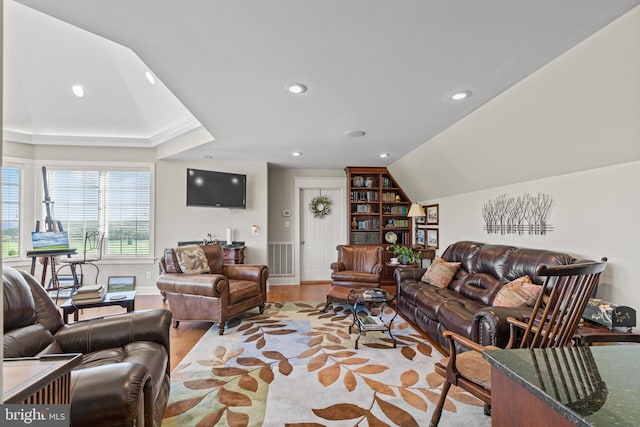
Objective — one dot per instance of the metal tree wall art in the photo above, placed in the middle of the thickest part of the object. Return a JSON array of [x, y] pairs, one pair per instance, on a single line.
[[524, 214]]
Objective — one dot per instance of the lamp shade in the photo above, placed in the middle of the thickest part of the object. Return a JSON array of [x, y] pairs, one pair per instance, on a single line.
[[416, 211]]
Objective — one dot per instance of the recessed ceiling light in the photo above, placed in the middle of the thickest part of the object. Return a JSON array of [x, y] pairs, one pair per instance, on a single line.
[[383, 155], [355, 133], [78, 90], [296, 88], [296, 154], [459, 96], [150, 77]]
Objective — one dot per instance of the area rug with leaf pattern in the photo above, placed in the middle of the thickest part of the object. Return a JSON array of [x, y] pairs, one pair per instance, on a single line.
[[295, 365]]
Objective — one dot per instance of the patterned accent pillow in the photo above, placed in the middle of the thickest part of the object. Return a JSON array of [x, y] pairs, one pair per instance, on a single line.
[[192, 259], [440, 273], [518, 293]]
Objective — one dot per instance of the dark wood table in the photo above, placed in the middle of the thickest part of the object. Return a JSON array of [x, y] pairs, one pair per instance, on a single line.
[[589, 333], [123, 299]]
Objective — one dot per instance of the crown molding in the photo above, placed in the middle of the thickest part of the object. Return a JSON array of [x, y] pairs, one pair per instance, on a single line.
[[166, 135], [15, 136], [172, 132]]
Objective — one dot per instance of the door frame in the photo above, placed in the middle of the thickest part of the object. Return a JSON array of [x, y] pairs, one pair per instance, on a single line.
[[310, 183]]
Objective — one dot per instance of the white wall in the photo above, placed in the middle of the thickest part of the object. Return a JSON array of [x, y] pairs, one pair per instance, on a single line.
[[595, 214], [579, 112]]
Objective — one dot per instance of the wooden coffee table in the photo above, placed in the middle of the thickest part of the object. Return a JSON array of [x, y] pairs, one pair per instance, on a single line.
[[123, 299]]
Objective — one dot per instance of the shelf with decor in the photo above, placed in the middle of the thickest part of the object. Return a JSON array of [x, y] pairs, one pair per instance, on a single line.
[[378, 208]]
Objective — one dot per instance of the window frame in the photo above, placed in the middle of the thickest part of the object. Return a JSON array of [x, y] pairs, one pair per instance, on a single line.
[[110, 167], [21, 210]]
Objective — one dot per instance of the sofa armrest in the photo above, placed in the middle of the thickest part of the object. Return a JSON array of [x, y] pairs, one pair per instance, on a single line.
[[209, 285], [490, 325], [117, 394], [377, 269], [115, 331], [250, 272], [402, 274], [337, 266]]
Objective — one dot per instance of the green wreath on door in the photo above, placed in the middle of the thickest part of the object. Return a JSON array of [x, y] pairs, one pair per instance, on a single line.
[[320, 206]]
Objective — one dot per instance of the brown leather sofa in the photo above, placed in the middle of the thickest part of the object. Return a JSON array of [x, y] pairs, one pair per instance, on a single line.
[[123, 379], [464, 306], [357, 266], [224, 292]]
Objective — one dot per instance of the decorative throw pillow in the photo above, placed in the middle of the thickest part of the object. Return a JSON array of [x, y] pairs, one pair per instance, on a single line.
[[440, 273], [519, 293], [192, 259]]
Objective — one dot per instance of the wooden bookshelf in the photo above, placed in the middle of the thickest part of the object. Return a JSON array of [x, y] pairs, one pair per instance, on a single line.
[[378, 208]]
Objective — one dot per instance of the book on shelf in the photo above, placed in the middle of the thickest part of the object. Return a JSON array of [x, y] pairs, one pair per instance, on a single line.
[[369, 322], [373, 294], [89, 292]]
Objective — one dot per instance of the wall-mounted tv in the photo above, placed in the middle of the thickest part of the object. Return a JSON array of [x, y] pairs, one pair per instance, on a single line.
[[216, 189]]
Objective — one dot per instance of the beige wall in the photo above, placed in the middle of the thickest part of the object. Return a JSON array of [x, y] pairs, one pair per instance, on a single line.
[[173, 220], [177, 222], [282, 197], [583, 107]]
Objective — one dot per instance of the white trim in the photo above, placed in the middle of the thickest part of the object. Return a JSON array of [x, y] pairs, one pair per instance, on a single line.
[[302, 183], [174, 131]]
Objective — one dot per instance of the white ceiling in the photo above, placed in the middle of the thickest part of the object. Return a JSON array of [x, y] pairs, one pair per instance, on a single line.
[[385, 67]]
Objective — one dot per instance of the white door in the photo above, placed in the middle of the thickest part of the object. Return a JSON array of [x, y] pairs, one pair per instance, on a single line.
[[320, 236]]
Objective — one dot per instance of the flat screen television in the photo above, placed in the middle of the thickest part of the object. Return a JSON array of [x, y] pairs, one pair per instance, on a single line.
[[216, 189]]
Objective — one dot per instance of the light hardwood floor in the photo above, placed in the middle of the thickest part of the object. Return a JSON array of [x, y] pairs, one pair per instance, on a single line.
[[184, 337]]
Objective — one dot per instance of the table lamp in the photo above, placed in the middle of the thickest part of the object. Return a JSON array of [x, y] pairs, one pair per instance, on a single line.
[[416, 210]]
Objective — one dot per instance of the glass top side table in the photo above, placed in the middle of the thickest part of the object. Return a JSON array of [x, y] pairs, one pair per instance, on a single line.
[[368, 307]]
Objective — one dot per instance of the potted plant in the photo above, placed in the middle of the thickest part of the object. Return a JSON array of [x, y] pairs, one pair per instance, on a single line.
[[405, 254]]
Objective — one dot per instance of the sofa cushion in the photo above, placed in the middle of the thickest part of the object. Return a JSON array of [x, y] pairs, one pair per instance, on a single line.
[[440, 272], [478, 286], [191, 259], [525, 262], [354, 276], [456, 315], [518, 293], [430, 299]]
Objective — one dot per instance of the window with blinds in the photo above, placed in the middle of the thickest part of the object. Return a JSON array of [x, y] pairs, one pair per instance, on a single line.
[[117, 202], [11, 178]]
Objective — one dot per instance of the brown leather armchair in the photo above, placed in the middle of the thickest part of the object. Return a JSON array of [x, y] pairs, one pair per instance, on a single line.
[[357, 266], [225, 291], [123, 379]]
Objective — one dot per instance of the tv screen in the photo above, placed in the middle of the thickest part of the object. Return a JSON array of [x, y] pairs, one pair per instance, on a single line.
[[216, 189]]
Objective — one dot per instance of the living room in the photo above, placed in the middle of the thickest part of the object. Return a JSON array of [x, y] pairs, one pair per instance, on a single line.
[[569, 130]]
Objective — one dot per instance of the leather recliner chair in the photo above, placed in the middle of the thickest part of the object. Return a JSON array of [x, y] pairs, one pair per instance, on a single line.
[[123, 379], [357, 266]]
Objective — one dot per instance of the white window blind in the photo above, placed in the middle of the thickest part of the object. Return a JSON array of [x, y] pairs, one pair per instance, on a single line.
[[114, 201], [10, 211]]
